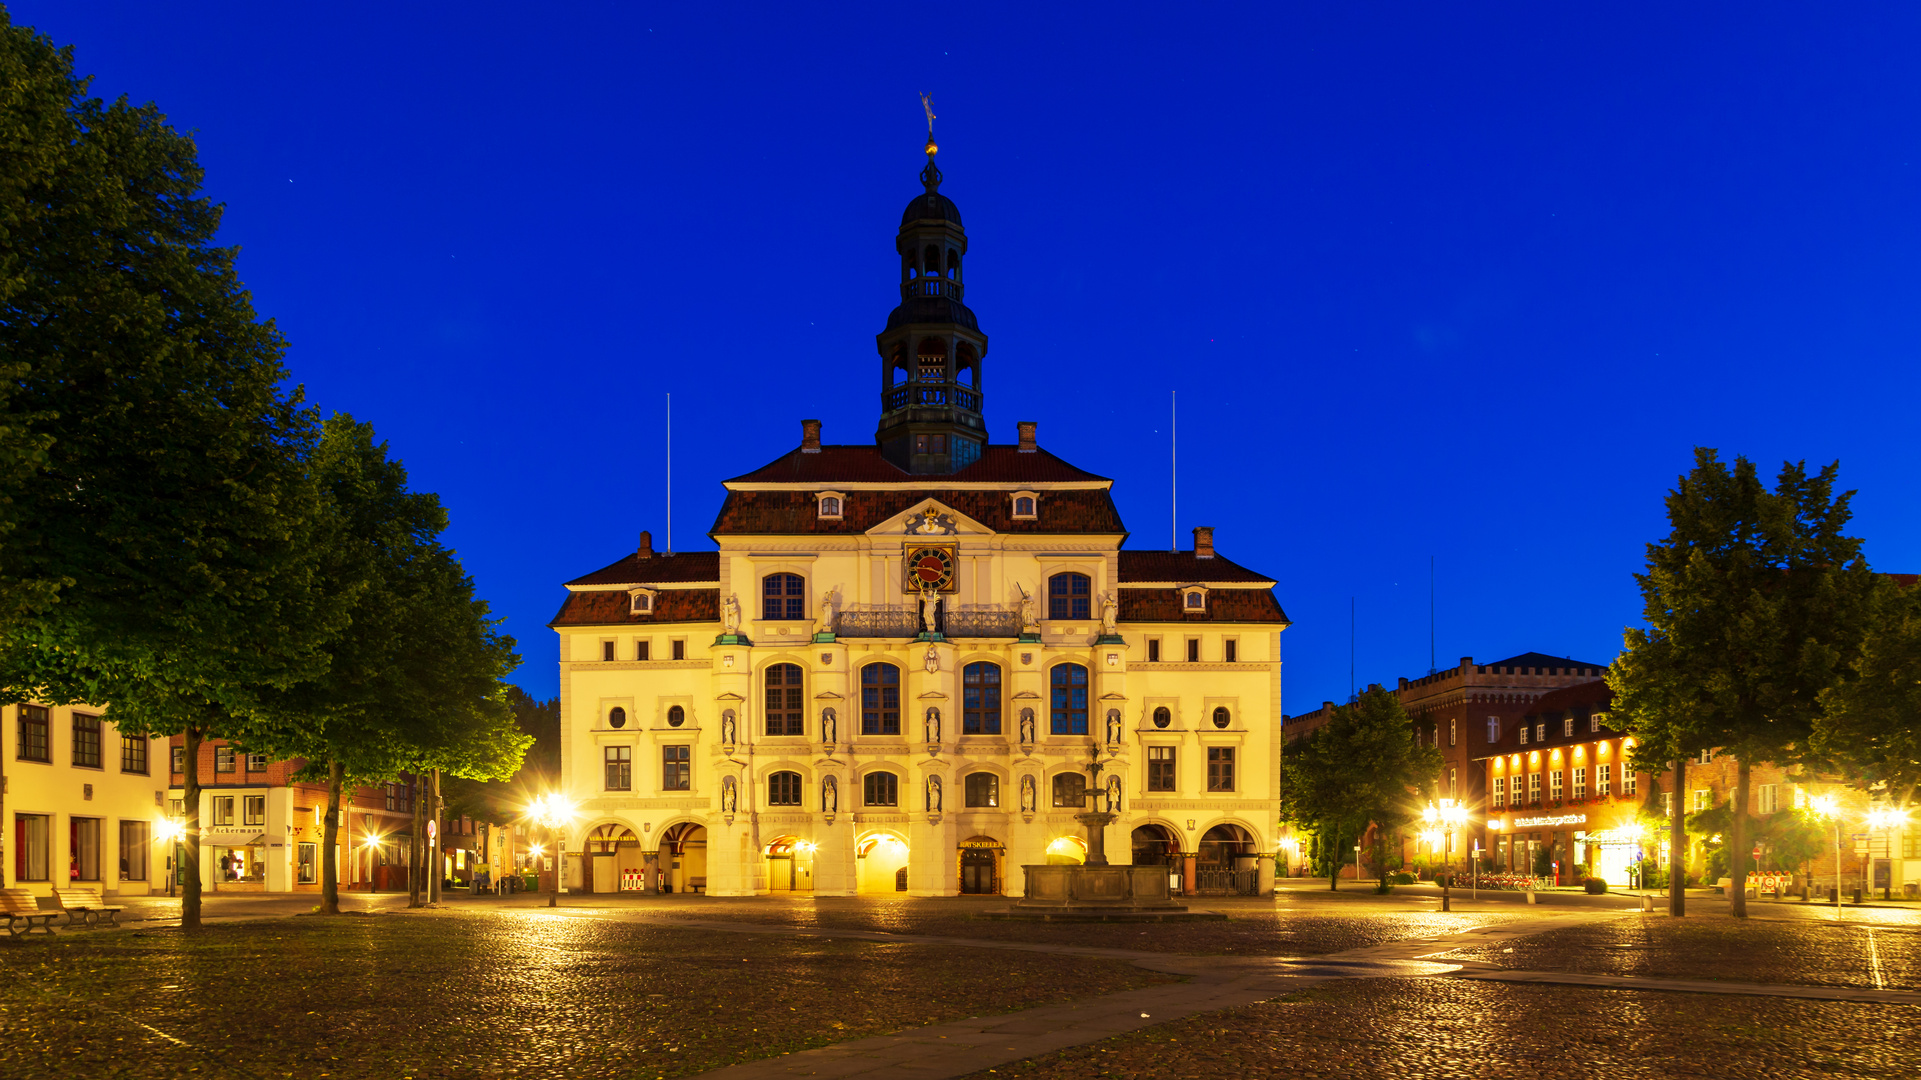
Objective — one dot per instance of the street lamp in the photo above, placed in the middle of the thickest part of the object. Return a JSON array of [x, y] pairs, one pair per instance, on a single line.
[[171, 830], [1826, 806], [372, 844], [1887, 819], [1442, 820], [552, 812]]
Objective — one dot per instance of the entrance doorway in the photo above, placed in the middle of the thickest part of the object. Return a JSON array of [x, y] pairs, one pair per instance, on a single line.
[[881, 864], [683, 858], [790, 865], [1225, 866], [613, 859], [980, 858]]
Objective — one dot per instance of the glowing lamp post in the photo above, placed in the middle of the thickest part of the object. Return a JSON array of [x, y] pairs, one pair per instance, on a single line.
[[1827, 807], [553, 812], [372, 844], [1441, 821], [171, 830], [1887, 819]]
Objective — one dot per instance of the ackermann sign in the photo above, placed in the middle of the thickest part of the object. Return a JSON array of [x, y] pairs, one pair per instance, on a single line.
[[1549, 822]]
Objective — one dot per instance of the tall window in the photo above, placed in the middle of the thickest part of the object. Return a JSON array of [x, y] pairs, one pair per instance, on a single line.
[[1452, 730], [1603, 779], [1580, 782], [1567, 725], [1069, 700], [619, 764], [1540, 732], [177, 756], [1594, 722], [1533, 787], [86, 741], [35, 743], [1154, 650], [678, 649], [607, 650], [1068, 596], [1703, 799], [642, 649], [1220, 768], [135, 843], [1493, 730], [223, 759], [133, 754], [784, 715], [1453, 783], [981, 699], [32, 846], [982, 789], [1160, 768], [1629, 784], [783, 596], [253, 810], [880, 700], [1070, 789], [1770, 798], [676, 769], [223, 809], [1706, 758], [1554, 784], [83, 848], [308, 865], [783, 789], [880, 789], [1193, 650], [1523, 734], [1500, 791]]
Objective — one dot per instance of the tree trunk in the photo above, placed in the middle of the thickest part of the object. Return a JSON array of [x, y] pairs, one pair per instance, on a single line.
[[1334, 861], [417, 851], [189, 869], [1738, 843], [1678, 842], [438, 812], [330, 843]]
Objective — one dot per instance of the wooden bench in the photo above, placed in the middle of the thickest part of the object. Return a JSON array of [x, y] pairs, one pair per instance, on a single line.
[[697, 885], [86, 906], [19, 906]]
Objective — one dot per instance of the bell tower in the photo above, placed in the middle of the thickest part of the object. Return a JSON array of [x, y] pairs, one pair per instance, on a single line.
[[931, 350]]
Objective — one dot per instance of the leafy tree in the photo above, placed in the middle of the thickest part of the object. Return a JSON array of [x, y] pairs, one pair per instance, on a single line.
[[157, 558], [1364, 765], [1755, 604], [505, 800], [1870, 726]]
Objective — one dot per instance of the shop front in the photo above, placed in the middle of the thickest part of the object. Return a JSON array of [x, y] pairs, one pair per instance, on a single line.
[[233, 860]]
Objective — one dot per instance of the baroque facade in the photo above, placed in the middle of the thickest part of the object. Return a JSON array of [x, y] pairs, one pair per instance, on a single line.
[[896, 672]]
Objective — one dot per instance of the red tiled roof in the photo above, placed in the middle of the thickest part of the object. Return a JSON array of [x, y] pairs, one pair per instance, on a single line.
[[1182, 567], [1569, 697], [609, 608], [1223, 606], [863, 464], [792, 513], [678, 568]]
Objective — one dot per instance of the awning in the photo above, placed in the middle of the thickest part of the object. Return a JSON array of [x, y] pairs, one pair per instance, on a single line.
[[210, 838]]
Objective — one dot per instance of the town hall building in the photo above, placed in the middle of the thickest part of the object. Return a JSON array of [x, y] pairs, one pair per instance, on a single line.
[[913, 661]]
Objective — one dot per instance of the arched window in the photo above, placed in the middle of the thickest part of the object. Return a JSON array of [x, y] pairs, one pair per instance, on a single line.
[[784, 716], [1162, 717], [616, 717], [1067, 596], [982, 789], [676, 716], [1024, 506], [1221, 717], [783, 789], [880, 700], [783, 596], [1070, 789], [953, 263], [1196, 600], [930, 261], [981, 699], [1070, 699], [829, 506], [880, 789]]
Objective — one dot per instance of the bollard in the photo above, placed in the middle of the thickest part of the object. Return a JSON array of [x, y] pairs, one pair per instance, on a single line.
[[1530, 896], [1647, 903], [1857, 896]]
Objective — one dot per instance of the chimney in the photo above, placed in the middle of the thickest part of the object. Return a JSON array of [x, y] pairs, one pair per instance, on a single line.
[[646, 548], [810, 436], [1203, 541], [1026, 428]]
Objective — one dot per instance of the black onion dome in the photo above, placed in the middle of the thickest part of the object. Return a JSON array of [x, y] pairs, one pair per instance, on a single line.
[[931, 206]]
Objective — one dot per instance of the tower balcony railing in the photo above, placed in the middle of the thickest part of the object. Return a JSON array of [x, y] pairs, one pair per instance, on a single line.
[[907, 395], [904, 621], [931, 286]]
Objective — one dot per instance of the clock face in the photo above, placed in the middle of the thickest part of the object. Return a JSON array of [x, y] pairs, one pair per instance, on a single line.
[[930, 568]]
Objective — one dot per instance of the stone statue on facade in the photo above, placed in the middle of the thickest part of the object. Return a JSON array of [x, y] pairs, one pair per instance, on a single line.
[[728, 794], [1030, 615], [826, 624], [828, 724], [1027, 727], [933, 794], [1110, 613], [829, 795], [1027, 794], [1113, 727], [930, 610], [730, 614], [1113, 794], [932, 725], [727, 727]]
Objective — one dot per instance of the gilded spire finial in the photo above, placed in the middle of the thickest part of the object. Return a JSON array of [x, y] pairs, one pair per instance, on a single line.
[[927, 104]]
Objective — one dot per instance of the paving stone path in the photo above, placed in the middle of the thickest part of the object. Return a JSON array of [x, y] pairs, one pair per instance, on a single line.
[[1213, 983]]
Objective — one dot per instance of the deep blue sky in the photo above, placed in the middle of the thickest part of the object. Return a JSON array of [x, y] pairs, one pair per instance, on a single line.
[[1457, 284]]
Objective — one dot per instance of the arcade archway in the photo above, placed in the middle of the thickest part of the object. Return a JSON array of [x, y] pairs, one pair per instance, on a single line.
[[880, 862], [683, 858], [790, 865]]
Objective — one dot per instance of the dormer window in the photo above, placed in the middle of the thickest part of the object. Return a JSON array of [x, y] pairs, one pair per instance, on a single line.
[[1025, 505], [831, 504], [1194, 600], [640, 601]]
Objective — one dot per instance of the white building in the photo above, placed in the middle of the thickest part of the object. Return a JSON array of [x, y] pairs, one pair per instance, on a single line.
[[83, 802]]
